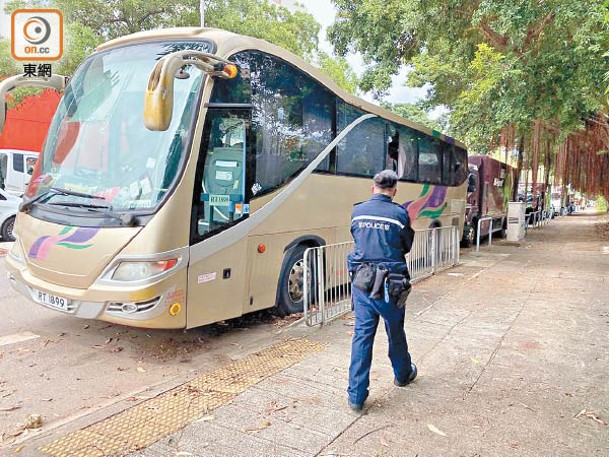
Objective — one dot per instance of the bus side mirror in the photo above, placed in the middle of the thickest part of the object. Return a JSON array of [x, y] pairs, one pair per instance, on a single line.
[[56, 82], [158, 104]]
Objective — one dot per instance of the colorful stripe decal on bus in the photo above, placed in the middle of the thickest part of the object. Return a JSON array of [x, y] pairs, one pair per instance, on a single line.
[[66, 238], [432, 202]]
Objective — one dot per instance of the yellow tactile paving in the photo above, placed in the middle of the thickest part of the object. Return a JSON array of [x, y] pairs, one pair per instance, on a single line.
[[144, 424]]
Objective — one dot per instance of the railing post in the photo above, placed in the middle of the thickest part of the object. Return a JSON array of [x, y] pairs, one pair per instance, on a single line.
[[490, 234], [433, 249], [321, 283]]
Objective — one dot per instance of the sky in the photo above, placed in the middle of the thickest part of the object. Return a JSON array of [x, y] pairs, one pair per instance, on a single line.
[[323, 11]]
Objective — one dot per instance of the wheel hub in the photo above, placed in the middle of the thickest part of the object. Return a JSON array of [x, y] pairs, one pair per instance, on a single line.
[[295, 281]]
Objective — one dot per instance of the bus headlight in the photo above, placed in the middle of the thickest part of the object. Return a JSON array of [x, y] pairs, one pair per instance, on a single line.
[[15, 253], [135, 271]]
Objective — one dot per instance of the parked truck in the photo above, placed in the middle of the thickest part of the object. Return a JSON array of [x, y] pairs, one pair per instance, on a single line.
[[489, 190]]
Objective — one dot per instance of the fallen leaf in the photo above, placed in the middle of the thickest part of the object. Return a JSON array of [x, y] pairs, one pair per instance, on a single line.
[[19, 449], [475, 361], [434, 429], [583, 411], [141, 370], [10, 408], [595, 417], [266, 424]]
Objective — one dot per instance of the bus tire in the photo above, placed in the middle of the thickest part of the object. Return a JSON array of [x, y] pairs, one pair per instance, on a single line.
[[290, 296], [7, 229]]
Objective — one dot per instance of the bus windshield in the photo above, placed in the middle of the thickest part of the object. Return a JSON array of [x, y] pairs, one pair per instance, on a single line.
[[98, 145]]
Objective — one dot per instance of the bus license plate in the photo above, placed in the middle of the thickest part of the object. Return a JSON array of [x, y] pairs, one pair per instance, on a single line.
[[52, 300]]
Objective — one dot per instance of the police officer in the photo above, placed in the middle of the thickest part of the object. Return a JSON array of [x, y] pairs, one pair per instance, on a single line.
[[383, 236]]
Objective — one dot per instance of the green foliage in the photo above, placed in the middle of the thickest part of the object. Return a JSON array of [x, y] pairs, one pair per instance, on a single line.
[[413, 113], [338, 69], [80, 41], [294, 31], [601, 204], [90, 22], [493, 63], [8, 66]]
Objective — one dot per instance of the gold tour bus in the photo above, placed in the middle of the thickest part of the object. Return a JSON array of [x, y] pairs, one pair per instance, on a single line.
[[187, 170]]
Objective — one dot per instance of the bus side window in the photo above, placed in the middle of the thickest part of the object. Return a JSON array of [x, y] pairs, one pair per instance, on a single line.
[[362, 151], [292, 120], [393, 149], [455, 162], [430, 161], [408, 154]]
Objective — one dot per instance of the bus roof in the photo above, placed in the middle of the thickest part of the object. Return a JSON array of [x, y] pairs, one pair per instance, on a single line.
[[229, 43]]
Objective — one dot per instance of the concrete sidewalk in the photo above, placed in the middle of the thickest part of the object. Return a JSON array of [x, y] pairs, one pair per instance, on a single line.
[[513, 355]]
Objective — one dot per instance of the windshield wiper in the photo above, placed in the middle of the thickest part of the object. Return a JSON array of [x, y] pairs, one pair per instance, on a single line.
[[26, 205], [125, 218]]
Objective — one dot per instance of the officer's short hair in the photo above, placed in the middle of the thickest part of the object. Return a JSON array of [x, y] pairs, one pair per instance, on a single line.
[[386, 179]]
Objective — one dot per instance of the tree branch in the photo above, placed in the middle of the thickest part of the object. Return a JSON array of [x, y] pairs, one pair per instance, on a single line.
[[497, 40], [534, 32], [151, 13]]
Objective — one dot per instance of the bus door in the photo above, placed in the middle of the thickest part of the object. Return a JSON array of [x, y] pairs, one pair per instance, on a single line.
[[217, 282]]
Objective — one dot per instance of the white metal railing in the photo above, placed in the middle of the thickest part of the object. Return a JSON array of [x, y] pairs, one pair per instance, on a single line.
[[490, 233], [536, 219], [327, 287], [326, 282]]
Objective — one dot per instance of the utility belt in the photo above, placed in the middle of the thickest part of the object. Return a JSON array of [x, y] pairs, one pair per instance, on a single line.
[[380, 283]]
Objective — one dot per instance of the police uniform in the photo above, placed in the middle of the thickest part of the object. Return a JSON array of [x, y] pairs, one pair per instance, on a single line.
[[383, 235]]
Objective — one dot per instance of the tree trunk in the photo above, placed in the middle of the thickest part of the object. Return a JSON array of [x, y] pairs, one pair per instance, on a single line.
[[518, 170]]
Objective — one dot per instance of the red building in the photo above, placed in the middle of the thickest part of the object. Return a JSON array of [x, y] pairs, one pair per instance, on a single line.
[[27, 125]]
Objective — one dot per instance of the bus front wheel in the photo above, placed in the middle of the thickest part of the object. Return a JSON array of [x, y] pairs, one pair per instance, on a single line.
[[290, 298]]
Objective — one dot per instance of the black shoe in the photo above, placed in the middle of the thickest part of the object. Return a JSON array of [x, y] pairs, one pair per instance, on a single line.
[[411, 377], [357, 407]]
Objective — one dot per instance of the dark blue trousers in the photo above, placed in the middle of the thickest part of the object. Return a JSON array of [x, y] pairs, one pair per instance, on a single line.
[[367, 312]]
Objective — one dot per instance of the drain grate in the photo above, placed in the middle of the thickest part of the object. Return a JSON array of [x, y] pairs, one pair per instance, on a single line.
[[144, 424]]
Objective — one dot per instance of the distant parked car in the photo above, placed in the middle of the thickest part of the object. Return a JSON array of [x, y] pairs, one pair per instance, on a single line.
[[9, 205], [16, 168]]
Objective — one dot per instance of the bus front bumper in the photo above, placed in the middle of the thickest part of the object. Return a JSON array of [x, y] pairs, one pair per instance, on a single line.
[[144, 307]]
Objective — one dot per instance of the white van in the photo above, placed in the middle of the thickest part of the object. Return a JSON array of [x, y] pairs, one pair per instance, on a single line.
[[16, 167]]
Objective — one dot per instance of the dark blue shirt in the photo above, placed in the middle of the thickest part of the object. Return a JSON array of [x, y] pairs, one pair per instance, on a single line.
[[382, 234]]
